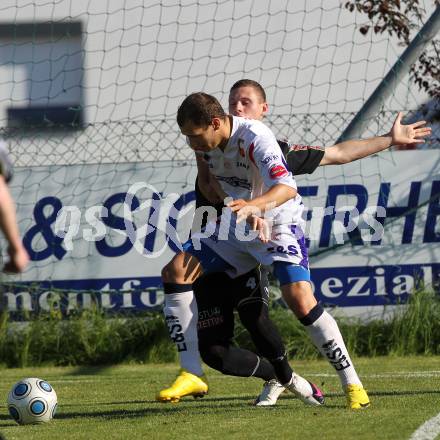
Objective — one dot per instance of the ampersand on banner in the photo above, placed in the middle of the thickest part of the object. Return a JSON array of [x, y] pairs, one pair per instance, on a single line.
[[43, 226]]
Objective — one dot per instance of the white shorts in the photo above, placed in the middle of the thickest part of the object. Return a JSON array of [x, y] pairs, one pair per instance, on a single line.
[[287, 244]]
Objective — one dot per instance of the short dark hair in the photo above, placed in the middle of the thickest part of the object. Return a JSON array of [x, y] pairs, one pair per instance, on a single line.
[[199, 108], [250, 83]]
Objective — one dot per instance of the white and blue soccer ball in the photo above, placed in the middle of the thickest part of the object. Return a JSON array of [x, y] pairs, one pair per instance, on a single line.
[[31, 401]]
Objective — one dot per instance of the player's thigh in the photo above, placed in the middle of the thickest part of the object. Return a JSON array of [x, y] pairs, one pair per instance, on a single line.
[[251, 297], [251, 287], [221, 253], [287, 253], [287, 244]]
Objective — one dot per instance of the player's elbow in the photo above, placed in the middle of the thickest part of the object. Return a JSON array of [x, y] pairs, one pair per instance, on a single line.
[[335, 156], [283, 194], [289, 193], [343, 159]]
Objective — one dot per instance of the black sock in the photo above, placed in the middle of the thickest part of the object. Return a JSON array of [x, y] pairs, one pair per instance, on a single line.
[[267, 340], [282, 368]]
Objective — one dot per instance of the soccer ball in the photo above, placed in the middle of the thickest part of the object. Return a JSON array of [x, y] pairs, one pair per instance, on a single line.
[[32, 400]]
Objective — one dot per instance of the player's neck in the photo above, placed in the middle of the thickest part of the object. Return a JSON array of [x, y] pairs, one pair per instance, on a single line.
[[226, 132]]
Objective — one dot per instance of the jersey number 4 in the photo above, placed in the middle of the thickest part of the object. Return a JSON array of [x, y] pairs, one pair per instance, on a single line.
[[251, 283]]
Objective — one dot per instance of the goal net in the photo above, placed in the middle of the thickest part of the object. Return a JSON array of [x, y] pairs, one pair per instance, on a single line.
[[89, 93]]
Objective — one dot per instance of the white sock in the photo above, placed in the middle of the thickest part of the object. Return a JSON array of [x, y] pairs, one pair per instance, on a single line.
[[181, 316], [325, 334]]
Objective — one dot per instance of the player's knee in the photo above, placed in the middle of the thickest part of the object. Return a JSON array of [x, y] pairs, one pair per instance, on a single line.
[[255, 325], [166, 273], [299, 297], [254, 317], [182, 269], [171, 272]]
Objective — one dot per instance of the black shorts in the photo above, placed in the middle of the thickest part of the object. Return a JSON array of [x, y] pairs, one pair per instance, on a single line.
[[218, 296]]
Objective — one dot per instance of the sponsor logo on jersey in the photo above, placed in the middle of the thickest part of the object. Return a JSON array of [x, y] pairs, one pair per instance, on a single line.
[[270, 158], [242, 165], [235, 181], [277, 171]]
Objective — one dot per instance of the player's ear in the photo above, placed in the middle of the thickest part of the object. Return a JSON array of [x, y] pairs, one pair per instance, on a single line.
[[215, 122], [265, 108]]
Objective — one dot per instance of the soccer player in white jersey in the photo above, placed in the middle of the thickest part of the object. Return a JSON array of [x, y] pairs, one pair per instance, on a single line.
[[246, 159], [247, 98]]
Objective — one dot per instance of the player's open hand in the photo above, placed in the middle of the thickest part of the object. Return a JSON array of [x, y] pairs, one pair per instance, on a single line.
[[244, 210], [262, 226], [408, 134]]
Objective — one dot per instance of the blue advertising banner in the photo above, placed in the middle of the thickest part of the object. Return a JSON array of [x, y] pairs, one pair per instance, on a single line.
[[102, 233], [342, 287]]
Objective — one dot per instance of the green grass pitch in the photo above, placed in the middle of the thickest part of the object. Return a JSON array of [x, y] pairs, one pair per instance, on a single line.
[[117, 402]]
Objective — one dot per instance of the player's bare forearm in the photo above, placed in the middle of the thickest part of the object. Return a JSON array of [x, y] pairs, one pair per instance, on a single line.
[[275, 196], [352, 150], [399, 134]]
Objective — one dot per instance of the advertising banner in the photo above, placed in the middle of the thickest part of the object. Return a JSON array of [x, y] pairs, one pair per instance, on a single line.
[[373, 231]]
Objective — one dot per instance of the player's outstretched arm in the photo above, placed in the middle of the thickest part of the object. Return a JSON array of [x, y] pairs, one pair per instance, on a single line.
[[400, 134], [18, 257]]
